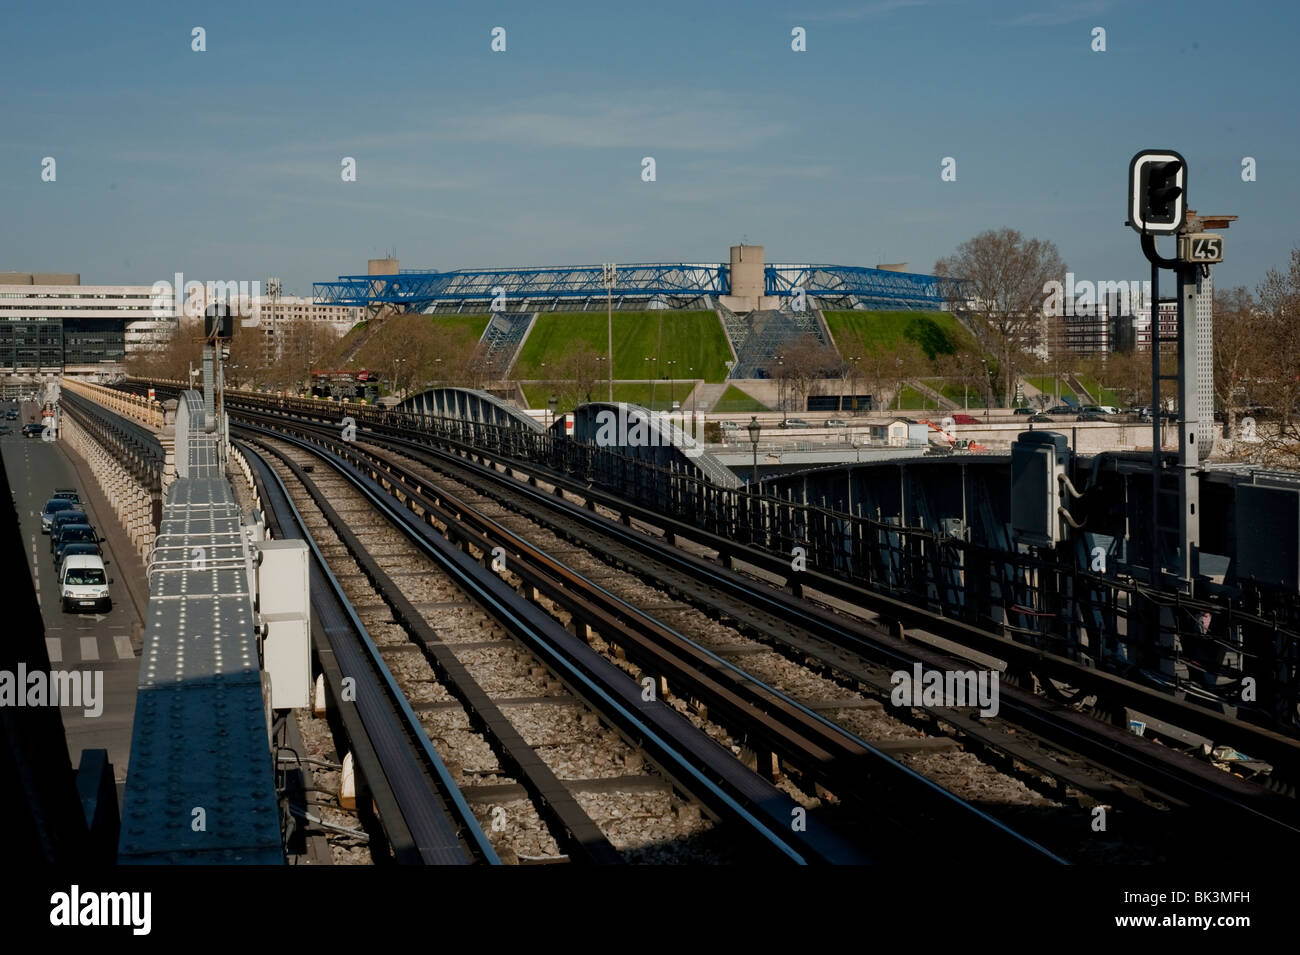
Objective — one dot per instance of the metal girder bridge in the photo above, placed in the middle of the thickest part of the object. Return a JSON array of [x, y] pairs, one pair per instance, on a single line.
[[468, 404]]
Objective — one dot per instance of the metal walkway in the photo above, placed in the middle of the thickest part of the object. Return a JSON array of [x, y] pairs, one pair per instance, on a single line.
[[200, 787]]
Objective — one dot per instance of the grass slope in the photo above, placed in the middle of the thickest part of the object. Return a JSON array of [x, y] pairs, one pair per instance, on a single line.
[[735, 401], [886, 330], [692, 340]]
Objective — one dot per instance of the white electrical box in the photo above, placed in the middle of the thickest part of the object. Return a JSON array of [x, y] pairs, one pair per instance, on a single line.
[[286, 656], [282, 577], [284, 608]]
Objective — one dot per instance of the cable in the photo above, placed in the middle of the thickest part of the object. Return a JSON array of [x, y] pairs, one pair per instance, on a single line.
[[1060, 509], [343, 830], [1069, 486]]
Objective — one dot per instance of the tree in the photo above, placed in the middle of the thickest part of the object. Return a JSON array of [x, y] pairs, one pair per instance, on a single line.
[[303, 347], [1276, 362], [1000, 278], [1239, 341], [807, 361], [967, 369]]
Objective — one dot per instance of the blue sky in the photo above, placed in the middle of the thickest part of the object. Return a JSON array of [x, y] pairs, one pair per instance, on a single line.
[[226, 164]]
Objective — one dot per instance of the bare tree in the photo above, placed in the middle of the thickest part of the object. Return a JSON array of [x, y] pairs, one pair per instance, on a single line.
[[967, 369], [1239, 341], [1002, 276], [807, 361], [1276, 361]]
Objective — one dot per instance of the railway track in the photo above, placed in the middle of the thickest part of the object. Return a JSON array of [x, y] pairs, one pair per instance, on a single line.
[[424, 817], [869, 784], [1073, 757], [757, 815]]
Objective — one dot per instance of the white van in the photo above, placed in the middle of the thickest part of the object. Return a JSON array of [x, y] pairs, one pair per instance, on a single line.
[[83, 585]]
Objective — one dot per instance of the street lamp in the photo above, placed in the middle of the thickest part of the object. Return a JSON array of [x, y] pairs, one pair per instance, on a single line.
[[754, 428], [985, 363], [670, 364], [900, 384], [551, 402], [609, 275], [781, 384]]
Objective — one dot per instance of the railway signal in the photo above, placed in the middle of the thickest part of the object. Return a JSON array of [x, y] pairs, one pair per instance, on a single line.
[[1157, 192]]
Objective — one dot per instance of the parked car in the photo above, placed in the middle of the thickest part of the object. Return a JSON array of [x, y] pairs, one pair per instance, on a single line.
[[33, 430], [1090, 416], [1099, 409], [794, 423], [53, 506], [1042, 419], [62, 518], [83, 584], [836, 423], [79, 549], [965, 419], [1061, 409], [73, 534], [1024, 411]]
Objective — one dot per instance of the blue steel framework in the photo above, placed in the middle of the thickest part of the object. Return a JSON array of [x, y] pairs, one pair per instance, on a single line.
[[673, 285]]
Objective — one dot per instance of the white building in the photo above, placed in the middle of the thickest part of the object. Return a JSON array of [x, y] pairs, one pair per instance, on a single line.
[[50, 323], [275, 315]]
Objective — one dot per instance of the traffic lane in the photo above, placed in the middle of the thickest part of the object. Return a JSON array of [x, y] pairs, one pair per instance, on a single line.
[[98, 645]]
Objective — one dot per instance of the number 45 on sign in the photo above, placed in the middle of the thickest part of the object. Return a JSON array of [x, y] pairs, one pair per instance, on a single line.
[[1200, 247]]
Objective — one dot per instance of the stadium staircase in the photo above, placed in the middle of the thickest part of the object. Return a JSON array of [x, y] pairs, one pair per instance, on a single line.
[[502, 340], [760, 335]]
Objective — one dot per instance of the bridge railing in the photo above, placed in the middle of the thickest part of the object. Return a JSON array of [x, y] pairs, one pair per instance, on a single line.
[[136, 407]]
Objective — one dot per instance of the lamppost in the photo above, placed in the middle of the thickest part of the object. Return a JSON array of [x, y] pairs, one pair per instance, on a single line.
[[609, 275], [781, 384], [900, 384], [652, 378], [985, 363], [551, 402], [694, 389], [670, 364], [754, 428]]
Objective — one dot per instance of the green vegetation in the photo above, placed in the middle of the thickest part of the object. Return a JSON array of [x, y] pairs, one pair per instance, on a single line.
[[1047, 385], [735, 401], [691, 340], [473, 323], [936, 333], [1105, 396], [959, 394], [913, 400]]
